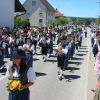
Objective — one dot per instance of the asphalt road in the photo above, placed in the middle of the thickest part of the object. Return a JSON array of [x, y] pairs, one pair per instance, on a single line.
[[48, 86]]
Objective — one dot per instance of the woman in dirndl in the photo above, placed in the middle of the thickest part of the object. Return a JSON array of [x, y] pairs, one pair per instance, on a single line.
[[20, 71]]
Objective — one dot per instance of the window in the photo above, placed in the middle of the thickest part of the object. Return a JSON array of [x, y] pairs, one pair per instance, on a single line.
[[33, 3], [40, 13], [40, 21]]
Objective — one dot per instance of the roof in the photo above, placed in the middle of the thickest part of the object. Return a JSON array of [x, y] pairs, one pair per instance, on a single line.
[[19, 7], [48, 5], [58, 13]]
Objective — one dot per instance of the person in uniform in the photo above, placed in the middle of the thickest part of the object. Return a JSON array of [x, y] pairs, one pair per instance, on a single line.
[[44, 48], [19, 71], [29, 50], [2, 48], [62, 51], [14, 42]]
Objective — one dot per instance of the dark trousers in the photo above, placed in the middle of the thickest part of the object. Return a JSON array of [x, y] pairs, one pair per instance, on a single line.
[[1, 59], [29, 59], [85, 34], [92, 41], [61, 61]]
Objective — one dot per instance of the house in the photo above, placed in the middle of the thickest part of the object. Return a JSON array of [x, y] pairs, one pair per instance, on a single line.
[[39, 12], [7, 10], [58, 13], [19, 7]]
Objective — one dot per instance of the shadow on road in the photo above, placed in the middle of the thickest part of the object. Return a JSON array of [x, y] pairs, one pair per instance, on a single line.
[[53, 56], [38, 74], [38, 54], [71, 69], [83, 48], [3, 70], [35, 59], [51, 60], [83, 51], [76, 63], [81, 54], [71, 77], [75, 58]]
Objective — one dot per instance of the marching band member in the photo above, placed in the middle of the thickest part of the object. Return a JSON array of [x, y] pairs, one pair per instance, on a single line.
[[29, 50]]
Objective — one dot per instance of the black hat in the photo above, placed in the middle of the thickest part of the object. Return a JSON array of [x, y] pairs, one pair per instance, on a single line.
[[19, 53]]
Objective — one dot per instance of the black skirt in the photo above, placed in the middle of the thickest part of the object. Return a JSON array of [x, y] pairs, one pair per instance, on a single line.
[[22, 95]]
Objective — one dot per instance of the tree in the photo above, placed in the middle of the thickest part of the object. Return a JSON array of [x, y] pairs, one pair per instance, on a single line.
[[61, 21], [98, 21], [21, 23], [88, 22]]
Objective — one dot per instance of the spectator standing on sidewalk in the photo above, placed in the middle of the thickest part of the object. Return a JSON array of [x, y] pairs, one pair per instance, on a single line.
[[97, 69], [96, 46], [97, 65]]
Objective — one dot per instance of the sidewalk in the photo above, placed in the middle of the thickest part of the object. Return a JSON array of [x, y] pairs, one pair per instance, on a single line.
[[91, 76]]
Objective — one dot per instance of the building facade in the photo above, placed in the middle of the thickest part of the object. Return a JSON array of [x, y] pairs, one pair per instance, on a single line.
[[7, 13], [39, 13], [7, 10]]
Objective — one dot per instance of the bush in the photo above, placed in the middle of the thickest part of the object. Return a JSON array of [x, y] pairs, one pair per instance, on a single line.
[[21, 23], [61, 21]]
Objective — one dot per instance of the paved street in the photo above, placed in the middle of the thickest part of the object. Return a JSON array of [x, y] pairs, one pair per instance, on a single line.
[[74, 85]]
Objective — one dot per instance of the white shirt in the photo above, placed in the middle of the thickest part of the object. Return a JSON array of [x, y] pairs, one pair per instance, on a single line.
[[64, 50], [30, 74], [13, 40], [93, 35], [69, 45], [28, 46]]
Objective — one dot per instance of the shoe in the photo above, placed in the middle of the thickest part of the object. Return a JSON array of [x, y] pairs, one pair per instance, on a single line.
[[44, 60], [43, 57], [58, 73], [93, 90], [60, 78]]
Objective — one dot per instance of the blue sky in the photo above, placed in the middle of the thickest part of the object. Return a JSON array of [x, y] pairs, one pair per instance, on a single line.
[[77, 8]]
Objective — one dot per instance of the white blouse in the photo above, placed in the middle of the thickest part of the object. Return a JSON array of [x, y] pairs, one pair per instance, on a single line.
[[30, 74], [28, 46]]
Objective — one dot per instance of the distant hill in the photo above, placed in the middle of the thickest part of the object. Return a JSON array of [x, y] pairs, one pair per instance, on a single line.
[[82, 20]]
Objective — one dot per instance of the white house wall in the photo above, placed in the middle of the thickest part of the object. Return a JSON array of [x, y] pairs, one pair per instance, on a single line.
[[7, 13], [50, 18], [32, 13], [34, 18]]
